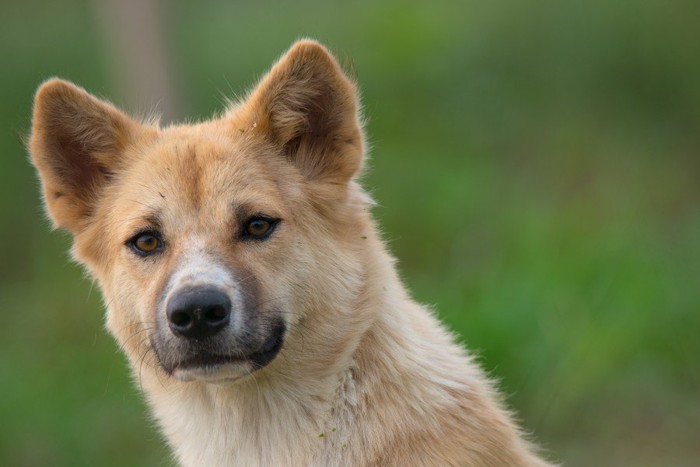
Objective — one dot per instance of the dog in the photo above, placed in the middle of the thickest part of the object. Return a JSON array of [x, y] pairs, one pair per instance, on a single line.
[[244, 278]]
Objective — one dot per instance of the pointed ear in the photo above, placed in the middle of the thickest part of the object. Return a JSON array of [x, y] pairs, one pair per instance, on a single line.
[[309, 107], [76, 145]]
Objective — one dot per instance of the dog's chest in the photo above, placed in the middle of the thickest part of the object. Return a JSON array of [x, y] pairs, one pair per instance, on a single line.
[[258, 432]]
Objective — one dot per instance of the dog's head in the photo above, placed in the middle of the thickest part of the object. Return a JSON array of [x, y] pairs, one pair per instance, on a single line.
[[215, 244]]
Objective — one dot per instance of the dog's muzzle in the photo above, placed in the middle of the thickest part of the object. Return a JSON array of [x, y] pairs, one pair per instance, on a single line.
[[206, 334]]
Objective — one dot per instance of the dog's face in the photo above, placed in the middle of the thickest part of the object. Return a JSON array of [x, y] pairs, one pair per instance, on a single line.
[[213, 242], [198, 228]]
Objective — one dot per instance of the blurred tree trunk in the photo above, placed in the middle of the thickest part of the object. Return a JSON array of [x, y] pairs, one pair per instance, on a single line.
[[140, 65]]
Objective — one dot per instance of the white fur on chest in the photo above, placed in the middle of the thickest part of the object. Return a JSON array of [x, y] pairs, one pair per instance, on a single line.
[[253, 425]]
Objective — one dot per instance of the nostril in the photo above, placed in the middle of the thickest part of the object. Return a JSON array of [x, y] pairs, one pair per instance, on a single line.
[[215, 314], [181, 318]]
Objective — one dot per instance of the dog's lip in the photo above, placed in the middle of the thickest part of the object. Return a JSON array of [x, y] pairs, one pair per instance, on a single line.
[[258, 359], [210, 360]]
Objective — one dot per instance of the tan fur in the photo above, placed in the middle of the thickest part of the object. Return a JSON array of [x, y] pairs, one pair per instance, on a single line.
[[366, 376]]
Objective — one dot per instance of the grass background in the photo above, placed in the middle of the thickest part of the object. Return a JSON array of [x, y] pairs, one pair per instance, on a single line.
[[537, 170]]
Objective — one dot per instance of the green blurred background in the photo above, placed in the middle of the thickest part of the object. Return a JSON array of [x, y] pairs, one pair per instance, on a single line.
[[537, 169]]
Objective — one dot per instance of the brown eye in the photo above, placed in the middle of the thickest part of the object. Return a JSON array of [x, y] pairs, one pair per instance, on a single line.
[[259, 228], [146, 243]]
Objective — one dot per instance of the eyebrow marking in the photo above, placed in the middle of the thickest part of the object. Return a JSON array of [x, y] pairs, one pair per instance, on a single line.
[[149, 220], [243, 211], [154, 219]]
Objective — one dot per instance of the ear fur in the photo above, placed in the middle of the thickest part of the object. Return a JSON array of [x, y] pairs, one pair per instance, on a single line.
[[308, 107], [76, 145]]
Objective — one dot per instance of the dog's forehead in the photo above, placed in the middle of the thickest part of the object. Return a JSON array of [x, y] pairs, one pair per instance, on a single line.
[[190, 172], [203, 167]]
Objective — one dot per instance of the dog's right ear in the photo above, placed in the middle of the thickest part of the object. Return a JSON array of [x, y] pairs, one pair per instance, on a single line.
[[309, 107], [77, 145]]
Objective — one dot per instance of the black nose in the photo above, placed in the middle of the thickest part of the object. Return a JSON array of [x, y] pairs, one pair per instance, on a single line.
[[198, 313]]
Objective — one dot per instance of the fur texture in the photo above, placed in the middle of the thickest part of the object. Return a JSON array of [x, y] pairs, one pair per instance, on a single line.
[[365, 376]]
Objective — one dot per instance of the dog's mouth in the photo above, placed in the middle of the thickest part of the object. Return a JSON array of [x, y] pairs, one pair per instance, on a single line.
[[210, 366], [258, 359]]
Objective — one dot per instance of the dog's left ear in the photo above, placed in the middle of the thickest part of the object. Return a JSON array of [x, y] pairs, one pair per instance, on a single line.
[[307, 106], [77, 146]]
